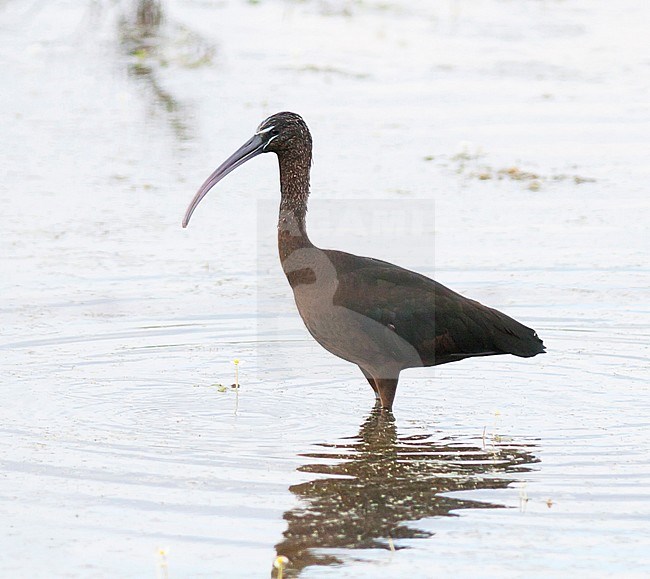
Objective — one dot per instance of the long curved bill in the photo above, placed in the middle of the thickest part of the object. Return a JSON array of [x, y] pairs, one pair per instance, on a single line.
[[253, 147]]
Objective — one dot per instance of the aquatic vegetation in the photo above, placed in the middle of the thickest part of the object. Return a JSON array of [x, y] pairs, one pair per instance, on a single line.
[[280, 563], [162, 567], [467, 162]]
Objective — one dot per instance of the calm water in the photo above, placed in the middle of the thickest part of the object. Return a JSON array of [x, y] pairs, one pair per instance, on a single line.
[[500, 147]]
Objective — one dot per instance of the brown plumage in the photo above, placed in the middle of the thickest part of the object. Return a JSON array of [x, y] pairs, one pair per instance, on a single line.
[[377, 315]]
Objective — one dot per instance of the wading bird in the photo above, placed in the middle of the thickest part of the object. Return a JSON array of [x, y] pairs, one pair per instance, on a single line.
[[380, 316]]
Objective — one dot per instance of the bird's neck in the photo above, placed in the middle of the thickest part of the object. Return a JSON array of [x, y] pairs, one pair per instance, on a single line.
[[294, 185]]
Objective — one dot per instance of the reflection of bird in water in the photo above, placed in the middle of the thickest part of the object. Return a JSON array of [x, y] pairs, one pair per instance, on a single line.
[[377, 315], [381, 481]]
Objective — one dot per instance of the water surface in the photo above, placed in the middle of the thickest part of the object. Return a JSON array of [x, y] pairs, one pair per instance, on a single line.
[[499, 147]]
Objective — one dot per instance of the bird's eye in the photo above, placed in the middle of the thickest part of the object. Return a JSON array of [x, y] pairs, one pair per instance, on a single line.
[[275, 132]]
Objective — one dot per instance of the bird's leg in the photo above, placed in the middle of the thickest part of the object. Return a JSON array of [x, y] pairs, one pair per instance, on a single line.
[[386, 388], [371, 381]]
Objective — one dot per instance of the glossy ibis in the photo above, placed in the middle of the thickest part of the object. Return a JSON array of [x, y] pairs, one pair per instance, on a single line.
[[377, 315]]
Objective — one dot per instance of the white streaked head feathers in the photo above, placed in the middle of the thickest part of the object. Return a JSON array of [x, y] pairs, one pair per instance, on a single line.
[[269, 141], [266, 130]]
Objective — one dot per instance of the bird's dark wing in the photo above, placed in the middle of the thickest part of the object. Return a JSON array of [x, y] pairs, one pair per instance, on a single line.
[[440, 324]]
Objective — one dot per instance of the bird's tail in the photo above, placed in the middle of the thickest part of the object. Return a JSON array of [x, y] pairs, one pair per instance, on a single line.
[[512, 337]]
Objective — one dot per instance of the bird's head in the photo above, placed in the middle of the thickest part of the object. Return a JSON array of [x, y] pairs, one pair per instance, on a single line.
[[282, 133]]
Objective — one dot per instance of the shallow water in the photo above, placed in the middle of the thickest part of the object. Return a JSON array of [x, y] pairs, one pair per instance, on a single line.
[[499, 147]]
